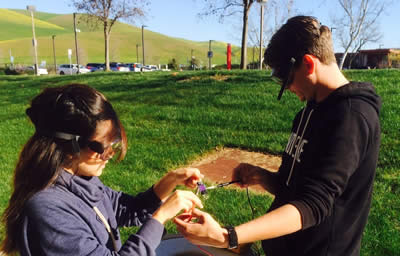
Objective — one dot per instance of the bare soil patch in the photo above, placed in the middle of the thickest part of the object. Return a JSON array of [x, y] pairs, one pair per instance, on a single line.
[[218, 166]]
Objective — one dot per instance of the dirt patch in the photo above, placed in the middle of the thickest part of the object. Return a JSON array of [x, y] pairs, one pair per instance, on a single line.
[[216, 77], [192, 78], [218, 166], [219, 77]]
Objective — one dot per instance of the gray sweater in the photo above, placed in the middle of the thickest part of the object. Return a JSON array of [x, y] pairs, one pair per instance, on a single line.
[[60, 220]]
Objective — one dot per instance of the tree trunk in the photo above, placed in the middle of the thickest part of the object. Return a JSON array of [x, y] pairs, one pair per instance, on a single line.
[[243, 58], [342, 60], [344, 56], [107, 47]]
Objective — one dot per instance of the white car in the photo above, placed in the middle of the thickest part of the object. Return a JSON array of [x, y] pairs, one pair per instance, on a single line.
[[69, 69], [41, 71], [152, 67]]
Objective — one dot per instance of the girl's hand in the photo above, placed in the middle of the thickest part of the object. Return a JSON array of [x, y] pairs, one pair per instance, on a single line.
[[178, 201], [188, 177], [204, 231], [185, 176]]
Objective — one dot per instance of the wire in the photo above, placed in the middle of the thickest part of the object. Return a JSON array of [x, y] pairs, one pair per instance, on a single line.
[[251, 206], [256, 249]]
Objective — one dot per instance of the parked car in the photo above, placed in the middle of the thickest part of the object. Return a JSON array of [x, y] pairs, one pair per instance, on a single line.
[[152, 67], [69, 69], [135, 67], [145, 69], [116, 66], [95, 67], [41, 71]]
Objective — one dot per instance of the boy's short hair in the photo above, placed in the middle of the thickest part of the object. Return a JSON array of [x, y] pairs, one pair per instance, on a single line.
[[300, 35]]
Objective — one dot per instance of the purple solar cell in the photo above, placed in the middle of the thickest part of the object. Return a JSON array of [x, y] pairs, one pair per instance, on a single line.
[[202, 188]]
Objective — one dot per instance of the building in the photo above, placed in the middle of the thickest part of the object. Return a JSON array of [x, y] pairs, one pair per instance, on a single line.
[[374, 58]]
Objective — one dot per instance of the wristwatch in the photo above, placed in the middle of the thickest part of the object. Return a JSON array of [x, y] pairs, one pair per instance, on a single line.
[[232, 237]]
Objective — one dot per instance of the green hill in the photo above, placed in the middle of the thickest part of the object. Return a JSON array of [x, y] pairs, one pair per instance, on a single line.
[[15, 25], [16, 35]]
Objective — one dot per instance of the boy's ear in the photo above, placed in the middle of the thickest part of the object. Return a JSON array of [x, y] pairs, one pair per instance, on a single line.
[[309, 62]]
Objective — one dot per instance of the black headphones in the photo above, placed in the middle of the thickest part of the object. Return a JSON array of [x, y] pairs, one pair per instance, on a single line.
[[64, 136]]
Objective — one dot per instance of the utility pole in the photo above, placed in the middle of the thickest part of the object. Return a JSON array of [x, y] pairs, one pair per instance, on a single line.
[[252, 66], [32, 8], [143, 26], [54, 54], [11, 60], [137, 53], [210, 54], [261, 31], [76, 44]]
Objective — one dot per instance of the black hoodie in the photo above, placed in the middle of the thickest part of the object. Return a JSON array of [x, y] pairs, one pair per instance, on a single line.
[[327, 173]]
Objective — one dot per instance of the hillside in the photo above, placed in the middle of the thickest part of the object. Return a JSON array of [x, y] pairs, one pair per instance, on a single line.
[[16, 35]]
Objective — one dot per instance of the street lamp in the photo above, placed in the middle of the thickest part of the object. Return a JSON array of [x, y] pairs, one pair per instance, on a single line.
[[32, 8], [143, 26], [262, 2], [137, 53], [76, 43], [54, 54]]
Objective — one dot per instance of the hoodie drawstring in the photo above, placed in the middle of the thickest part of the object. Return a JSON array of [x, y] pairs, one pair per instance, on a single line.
[[296, 154]]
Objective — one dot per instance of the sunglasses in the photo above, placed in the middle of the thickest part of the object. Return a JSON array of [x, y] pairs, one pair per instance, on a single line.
[[284, 80], [106, 153]]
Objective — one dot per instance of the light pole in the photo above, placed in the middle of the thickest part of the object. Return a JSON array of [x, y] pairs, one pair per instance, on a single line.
[[143, 26], [252, 66], [32, 8], [76, 44], [262, 2], [210, 54], [137, 53], [54, 54]]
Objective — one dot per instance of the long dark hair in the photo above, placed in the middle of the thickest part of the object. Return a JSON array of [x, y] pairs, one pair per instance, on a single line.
[[71, 109]]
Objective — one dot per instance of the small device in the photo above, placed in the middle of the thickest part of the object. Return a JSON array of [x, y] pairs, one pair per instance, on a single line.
[[201, 188]]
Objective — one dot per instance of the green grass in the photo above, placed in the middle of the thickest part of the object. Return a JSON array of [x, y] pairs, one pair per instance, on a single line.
[[172, 120]]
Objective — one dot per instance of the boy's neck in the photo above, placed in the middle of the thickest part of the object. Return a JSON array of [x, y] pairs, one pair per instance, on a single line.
[[330, 78]]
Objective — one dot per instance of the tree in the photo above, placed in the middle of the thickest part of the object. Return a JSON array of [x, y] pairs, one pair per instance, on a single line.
[[173, 64], [226, 8], [358, 24], [194, 63], [370, 35], [106, 13], [276, 12]]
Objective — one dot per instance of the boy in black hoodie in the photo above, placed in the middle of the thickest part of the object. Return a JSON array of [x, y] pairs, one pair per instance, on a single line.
[[323, 188]]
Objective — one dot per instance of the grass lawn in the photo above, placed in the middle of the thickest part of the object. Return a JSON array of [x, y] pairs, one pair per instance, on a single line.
[[173, 118]]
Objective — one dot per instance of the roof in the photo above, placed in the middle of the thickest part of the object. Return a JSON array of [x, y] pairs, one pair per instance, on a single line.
[[380, 51]]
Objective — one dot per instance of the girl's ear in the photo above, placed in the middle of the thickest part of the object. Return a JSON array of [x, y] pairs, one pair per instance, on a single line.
[[309, 62]]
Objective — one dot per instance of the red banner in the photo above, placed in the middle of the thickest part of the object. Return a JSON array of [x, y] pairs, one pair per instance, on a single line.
[[228, 57]]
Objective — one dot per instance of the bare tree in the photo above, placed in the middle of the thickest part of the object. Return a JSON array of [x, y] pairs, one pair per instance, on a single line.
[[370, 35], [353, 27], [106, 13], [275, 14], [226, 8]]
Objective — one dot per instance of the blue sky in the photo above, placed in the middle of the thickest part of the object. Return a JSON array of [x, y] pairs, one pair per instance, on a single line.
[[177, 18]]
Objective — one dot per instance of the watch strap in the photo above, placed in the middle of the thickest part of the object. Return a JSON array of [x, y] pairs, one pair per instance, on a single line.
[[232, 237]]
